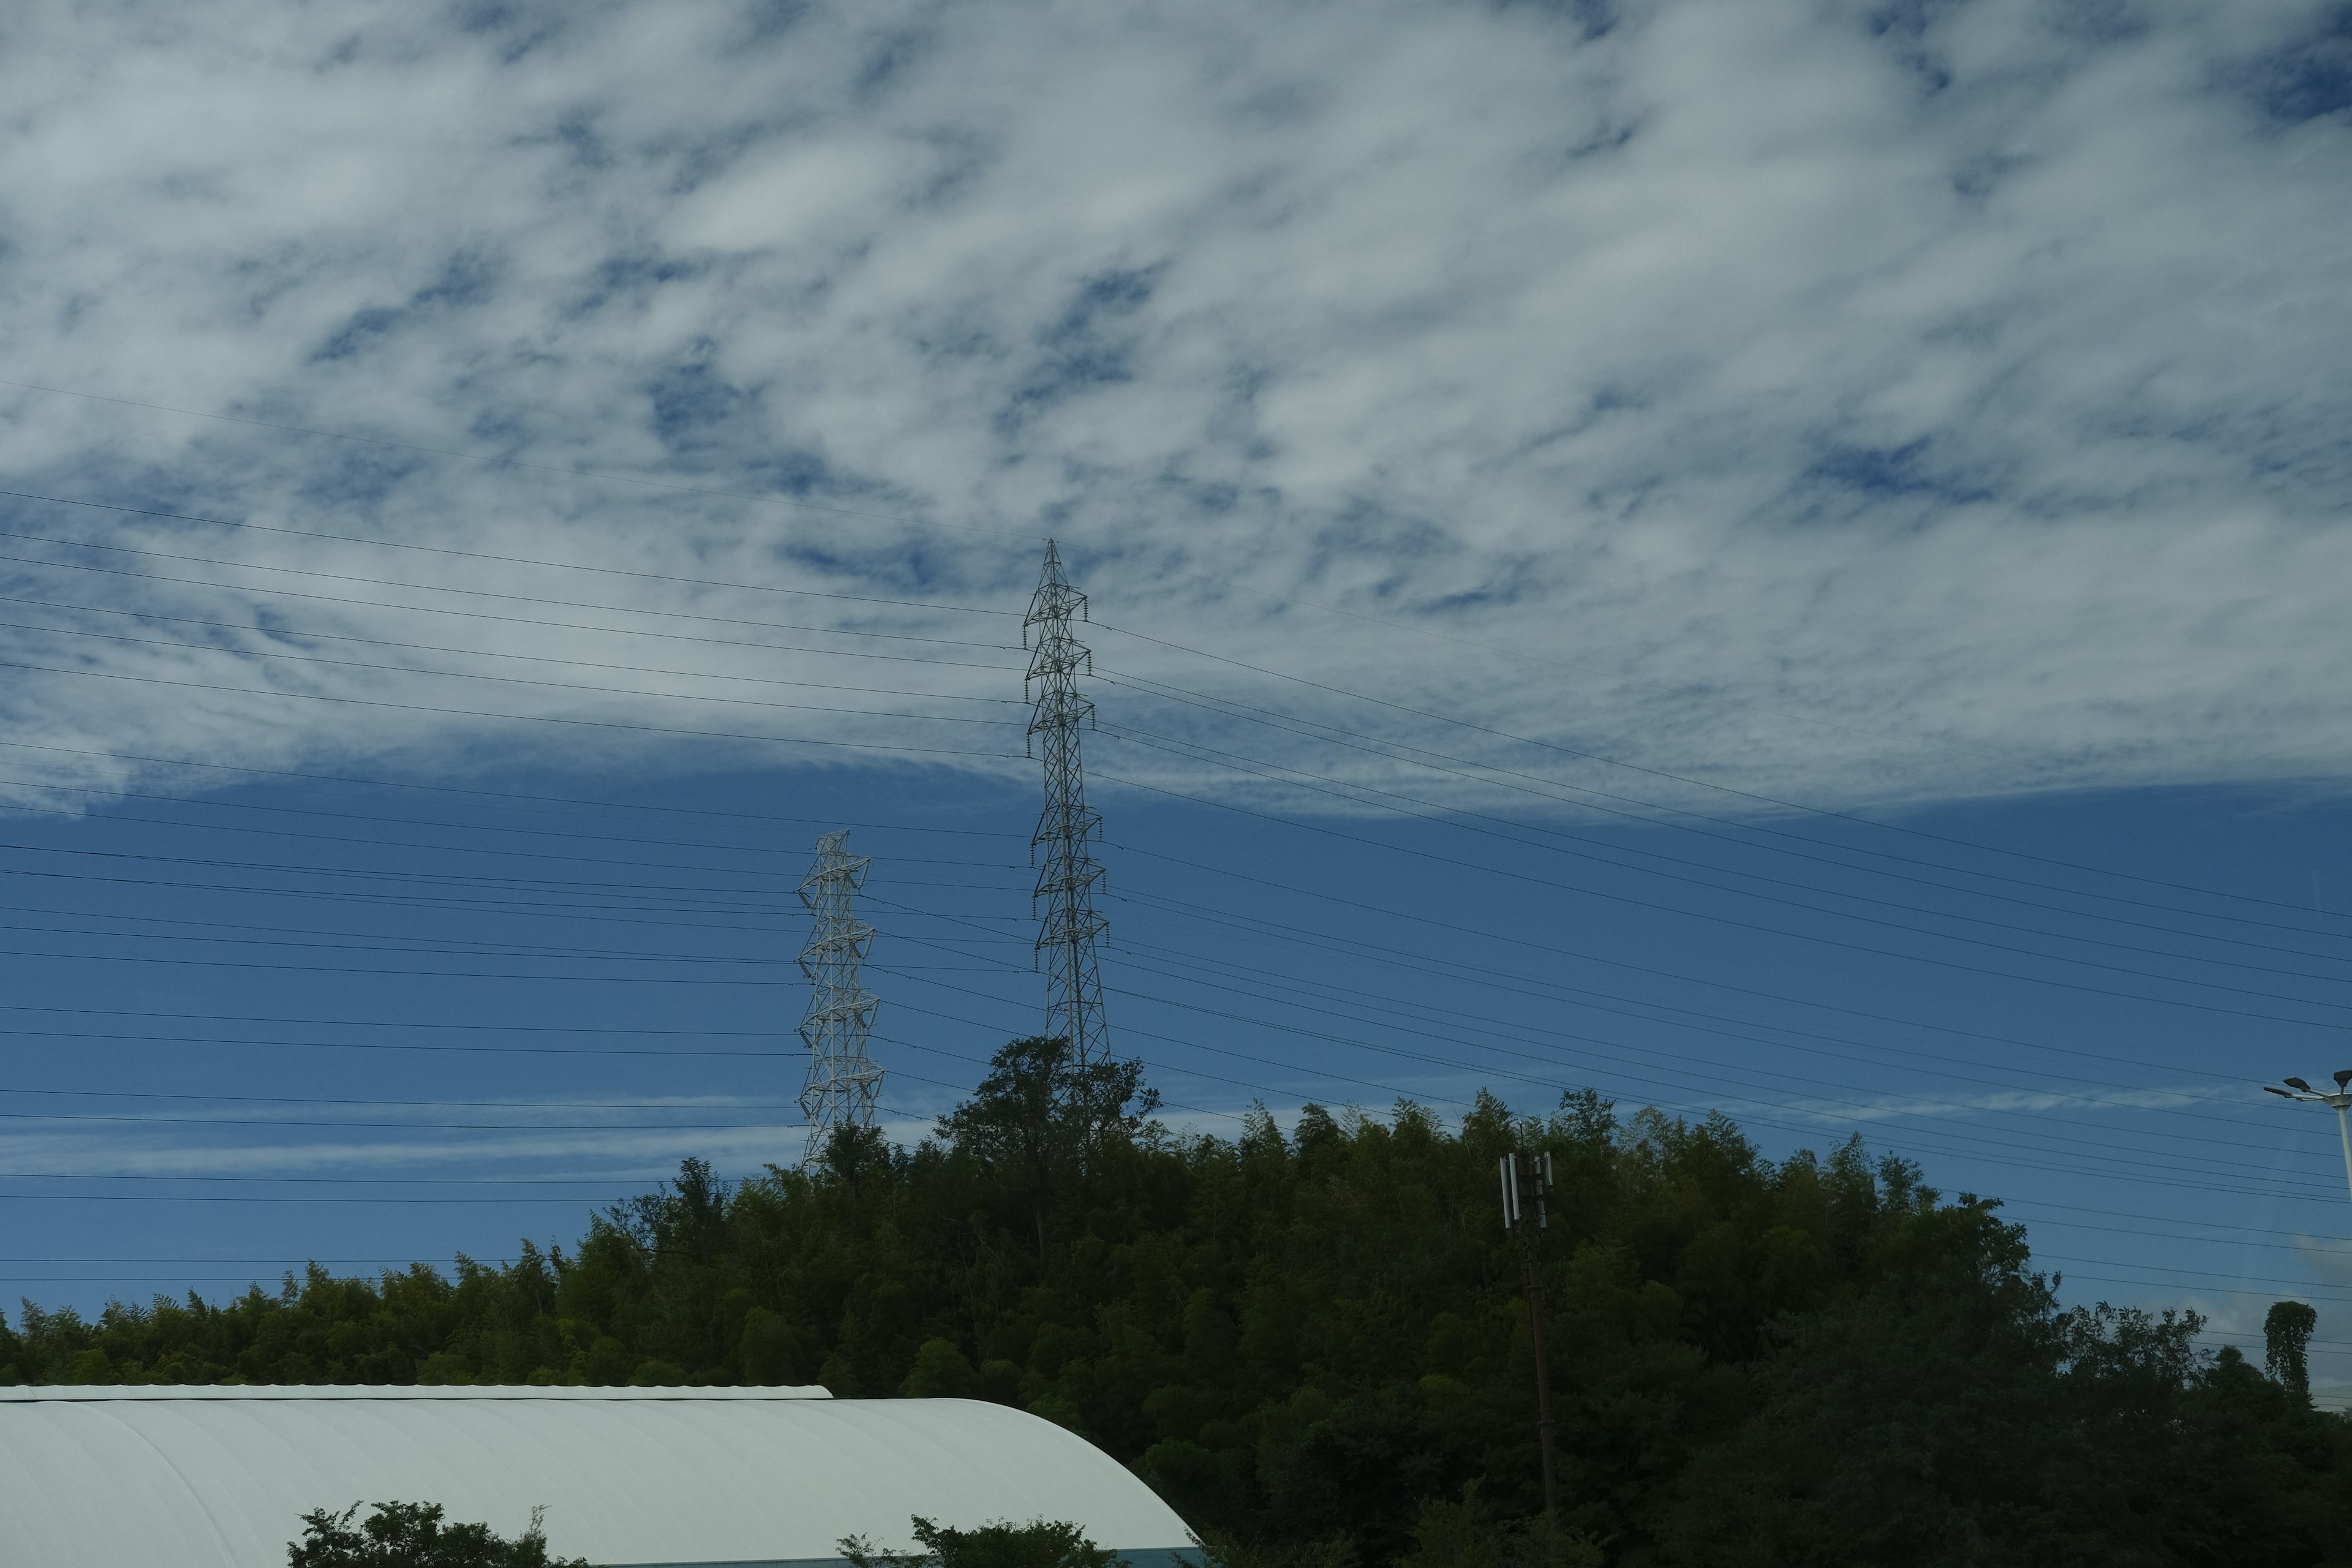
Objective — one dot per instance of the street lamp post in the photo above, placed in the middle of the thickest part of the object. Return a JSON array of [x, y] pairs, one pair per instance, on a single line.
[[1527, 1183], [2339, 1102]]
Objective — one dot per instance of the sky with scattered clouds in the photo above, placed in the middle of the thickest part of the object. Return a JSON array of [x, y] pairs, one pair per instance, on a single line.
[[1888, 403], [1907, 407]]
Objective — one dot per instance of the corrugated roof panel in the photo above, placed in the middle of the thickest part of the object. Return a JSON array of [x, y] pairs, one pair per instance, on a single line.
[[129, 1479]]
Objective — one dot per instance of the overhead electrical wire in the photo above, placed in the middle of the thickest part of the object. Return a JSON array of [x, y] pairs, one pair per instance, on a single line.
[[249, 590], [302, 634], [1389, 958], [1945, 914], [2170, 1152], [907, 967], [1650, 805], [1148, 955], [1659, 814], [1726, 920], [381, 874], [177, 823], [598, 474], [770, 499], [1454, 1015], [2170, 1156], [488, 555], [1244, 765], [316, 574], [775, 499], [348, 840], [1772, 801], [421, 672], [2314, 1191], [1582, 997], [516, 717], [312, 1121], [2062, 957], [427, 1104], [1553, 950], [523, 797], [526, 561], [1848, 914], [1939, 914]]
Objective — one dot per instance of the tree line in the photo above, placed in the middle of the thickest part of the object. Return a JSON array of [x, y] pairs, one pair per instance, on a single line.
[[1316, 1345]]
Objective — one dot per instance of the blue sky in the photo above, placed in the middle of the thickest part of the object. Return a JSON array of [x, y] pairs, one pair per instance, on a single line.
[[1780, 558]]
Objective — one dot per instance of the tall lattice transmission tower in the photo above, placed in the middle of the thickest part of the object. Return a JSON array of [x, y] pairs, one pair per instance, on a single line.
[[1068, 872], [842, 1079]]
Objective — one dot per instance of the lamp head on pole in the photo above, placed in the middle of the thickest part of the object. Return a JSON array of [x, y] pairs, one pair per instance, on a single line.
[[2340, 1099]]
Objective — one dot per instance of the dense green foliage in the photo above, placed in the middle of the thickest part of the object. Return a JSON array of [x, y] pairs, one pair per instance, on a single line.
[[1318, 1346], [1040, 1543], [411, 1535]]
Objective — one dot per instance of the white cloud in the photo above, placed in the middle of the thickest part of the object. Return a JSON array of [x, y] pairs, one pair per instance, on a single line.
[[1906, 404]]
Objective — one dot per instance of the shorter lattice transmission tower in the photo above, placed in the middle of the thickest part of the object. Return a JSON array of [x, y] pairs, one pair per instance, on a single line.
[[1062, 850], [842, 1080]]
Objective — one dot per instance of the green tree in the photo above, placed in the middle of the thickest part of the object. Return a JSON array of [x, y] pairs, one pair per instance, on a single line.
[[2286, 1344], [1311, 1344], [411, 1535], [1041, 1543], [1041, 1123]]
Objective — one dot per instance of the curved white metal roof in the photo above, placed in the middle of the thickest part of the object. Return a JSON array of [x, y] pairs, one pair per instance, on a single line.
[[130, 1478]]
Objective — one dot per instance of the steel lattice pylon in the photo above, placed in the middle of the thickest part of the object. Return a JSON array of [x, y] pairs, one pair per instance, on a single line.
[[1068, 872], [842, 1080]]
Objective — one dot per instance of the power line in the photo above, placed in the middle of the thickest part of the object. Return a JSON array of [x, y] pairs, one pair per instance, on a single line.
[[1454, 1017], [111, 1118], [1146, 739], [381, 583], [523, 718], [522, 797], [1429, 1014], [1931, 1140], [313, 634], [601, 475], [1804, 936], [768, 499], [1772, 801], [1324, 785], [349, 840], [1655, 814], [791, 501], [246, 588], [251, 655], [2171, 1162], [486, 555], [576, 887], [428, 1104]]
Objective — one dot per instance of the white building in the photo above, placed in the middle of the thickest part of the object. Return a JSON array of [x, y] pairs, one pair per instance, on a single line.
[[752, 1477]]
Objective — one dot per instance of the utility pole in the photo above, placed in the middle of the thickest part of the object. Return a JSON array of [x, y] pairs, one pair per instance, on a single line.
[[842, 1080], [2339, 1101], [1527, 1183], [1068, 872]]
